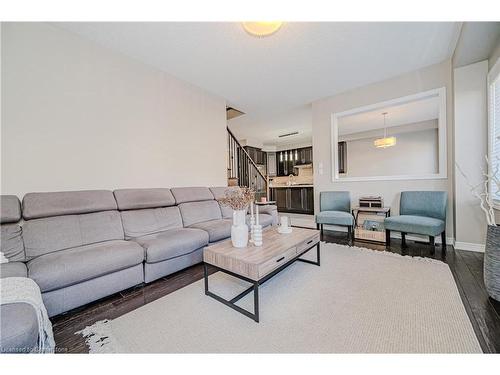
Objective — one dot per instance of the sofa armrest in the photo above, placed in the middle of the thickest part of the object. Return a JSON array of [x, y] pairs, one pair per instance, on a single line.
[[270, 210]]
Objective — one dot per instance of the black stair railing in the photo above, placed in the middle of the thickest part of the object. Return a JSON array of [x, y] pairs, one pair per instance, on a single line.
[[241, 166]]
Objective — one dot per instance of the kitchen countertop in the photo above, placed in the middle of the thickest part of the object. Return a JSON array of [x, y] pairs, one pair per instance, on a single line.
[[291, 186]]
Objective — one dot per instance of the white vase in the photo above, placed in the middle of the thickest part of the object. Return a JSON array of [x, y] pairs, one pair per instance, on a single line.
[[239, 229]]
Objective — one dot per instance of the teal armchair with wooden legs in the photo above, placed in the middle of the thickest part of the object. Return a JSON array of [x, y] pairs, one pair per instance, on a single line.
[[335, 209], [420, 212]]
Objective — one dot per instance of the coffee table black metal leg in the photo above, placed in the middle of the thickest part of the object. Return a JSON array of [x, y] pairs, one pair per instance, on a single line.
[[205, 276], [256, 301], [318, 254]]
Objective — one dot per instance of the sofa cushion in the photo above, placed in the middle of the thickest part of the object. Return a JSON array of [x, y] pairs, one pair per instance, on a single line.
[[264, 219], [197, 212], [172, 243], [10, 209], [13, 269], [42, 236], [415, 224], [11, 243], [137, 223], [19, 327], [191, 194], [220, 192], [37, 205], [217, 229], [132, 199], [334, 218], [72, 266]]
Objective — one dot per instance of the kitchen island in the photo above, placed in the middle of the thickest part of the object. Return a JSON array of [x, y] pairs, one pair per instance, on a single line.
[[294, 198]]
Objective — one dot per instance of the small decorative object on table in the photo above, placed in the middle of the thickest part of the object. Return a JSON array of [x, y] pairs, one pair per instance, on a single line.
[[238, 200], [257, 229], [252, 222], [284, 226], [492, 248]]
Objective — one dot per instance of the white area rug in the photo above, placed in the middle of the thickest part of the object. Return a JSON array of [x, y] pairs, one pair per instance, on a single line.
[[358, 301]]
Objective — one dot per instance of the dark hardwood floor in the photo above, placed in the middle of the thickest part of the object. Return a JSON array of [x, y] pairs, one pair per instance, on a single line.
[[466, 266]]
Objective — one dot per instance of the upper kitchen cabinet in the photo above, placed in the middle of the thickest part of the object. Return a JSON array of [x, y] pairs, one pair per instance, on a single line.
[[286, 160], [271, 164], [305, 156], [257, 155]]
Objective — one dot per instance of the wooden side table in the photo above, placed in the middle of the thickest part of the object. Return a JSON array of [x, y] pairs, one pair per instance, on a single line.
[[369, 223]]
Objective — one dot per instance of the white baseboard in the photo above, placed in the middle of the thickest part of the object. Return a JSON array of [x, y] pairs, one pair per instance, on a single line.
[[477, 247]]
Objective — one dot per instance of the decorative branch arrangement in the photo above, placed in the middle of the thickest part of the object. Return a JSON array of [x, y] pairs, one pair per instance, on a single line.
[[238, 199], [481, 191]]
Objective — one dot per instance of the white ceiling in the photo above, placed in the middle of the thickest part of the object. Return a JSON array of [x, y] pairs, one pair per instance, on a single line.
[[268, 129], [477, 40], [403, 114], [266, 77]]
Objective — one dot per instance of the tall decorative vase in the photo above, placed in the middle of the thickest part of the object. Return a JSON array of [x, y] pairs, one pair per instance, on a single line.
[[239, 229], [492, 262]]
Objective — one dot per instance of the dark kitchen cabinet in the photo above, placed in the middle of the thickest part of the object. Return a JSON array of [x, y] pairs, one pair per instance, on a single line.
[[305, 156], [279, 195], [286, 160], [257, 155], [294, 199]]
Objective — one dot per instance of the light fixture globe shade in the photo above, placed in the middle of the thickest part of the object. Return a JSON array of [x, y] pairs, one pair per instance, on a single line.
[[261, 29]]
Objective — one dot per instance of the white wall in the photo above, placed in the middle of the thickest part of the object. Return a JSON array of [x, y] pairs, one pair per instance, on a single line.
[[470, 92], [432, 77], [414, 153], [78, 116]]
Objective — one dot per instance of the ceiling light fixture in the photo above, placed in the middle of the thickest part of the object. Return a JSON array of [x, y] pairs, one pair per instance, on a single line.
[[386, 141], [261, 29]]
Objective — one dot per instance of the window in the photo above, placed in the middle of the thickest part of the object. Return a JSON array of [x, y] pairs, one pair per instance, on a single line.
[[494, 125]]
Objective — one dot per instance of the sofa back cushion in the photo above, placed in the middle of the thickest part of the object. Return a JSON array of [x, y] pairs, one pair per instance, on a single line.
[[133, 199], [424, 203], [11, 242], [218, 193], [38, 205], [10, 209], [197, 212], [191, 194], [46, 235], [137, 223]]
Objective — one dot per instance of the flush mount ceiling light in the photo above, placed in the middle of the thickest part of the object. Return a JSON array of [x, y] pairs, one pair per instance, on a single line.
[[386, 141], [261, 29]]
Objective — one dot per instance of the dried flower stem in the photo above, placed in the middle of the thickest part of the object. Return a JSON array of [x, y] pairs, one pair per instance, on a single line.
[[238, 199], [482, 190]]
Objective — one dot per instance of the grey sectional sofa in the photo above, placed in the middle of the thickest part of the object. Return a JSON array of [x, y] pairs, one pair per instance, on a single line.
[[81, 246], [75, 248]]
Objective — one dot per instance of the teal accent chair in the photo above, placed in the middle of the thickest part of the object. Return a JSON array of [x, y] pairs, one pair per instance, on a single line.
[[335, 209], [420, 212]]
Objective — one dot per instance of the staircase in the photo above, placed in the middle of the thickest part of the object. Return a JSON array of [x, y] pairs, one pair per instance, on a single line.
[[241, 167]]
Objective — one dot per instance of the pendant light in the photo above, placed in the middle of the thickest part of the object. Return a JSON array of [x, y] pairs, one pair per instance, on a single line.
[[385, 141]]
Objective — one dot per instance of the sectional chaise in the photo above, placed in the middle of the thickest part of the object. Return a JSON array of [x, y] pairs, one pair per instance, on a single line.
[[81, 246]]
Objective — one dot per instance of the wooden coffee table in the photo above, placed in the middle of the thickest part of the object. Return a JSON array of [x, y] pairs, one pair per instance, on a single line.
[[256, 265]]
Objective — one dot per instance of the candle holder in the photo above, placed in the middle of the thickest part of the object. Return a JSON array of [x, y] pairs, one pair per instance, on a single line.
[[252, 224], [257, 235]]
